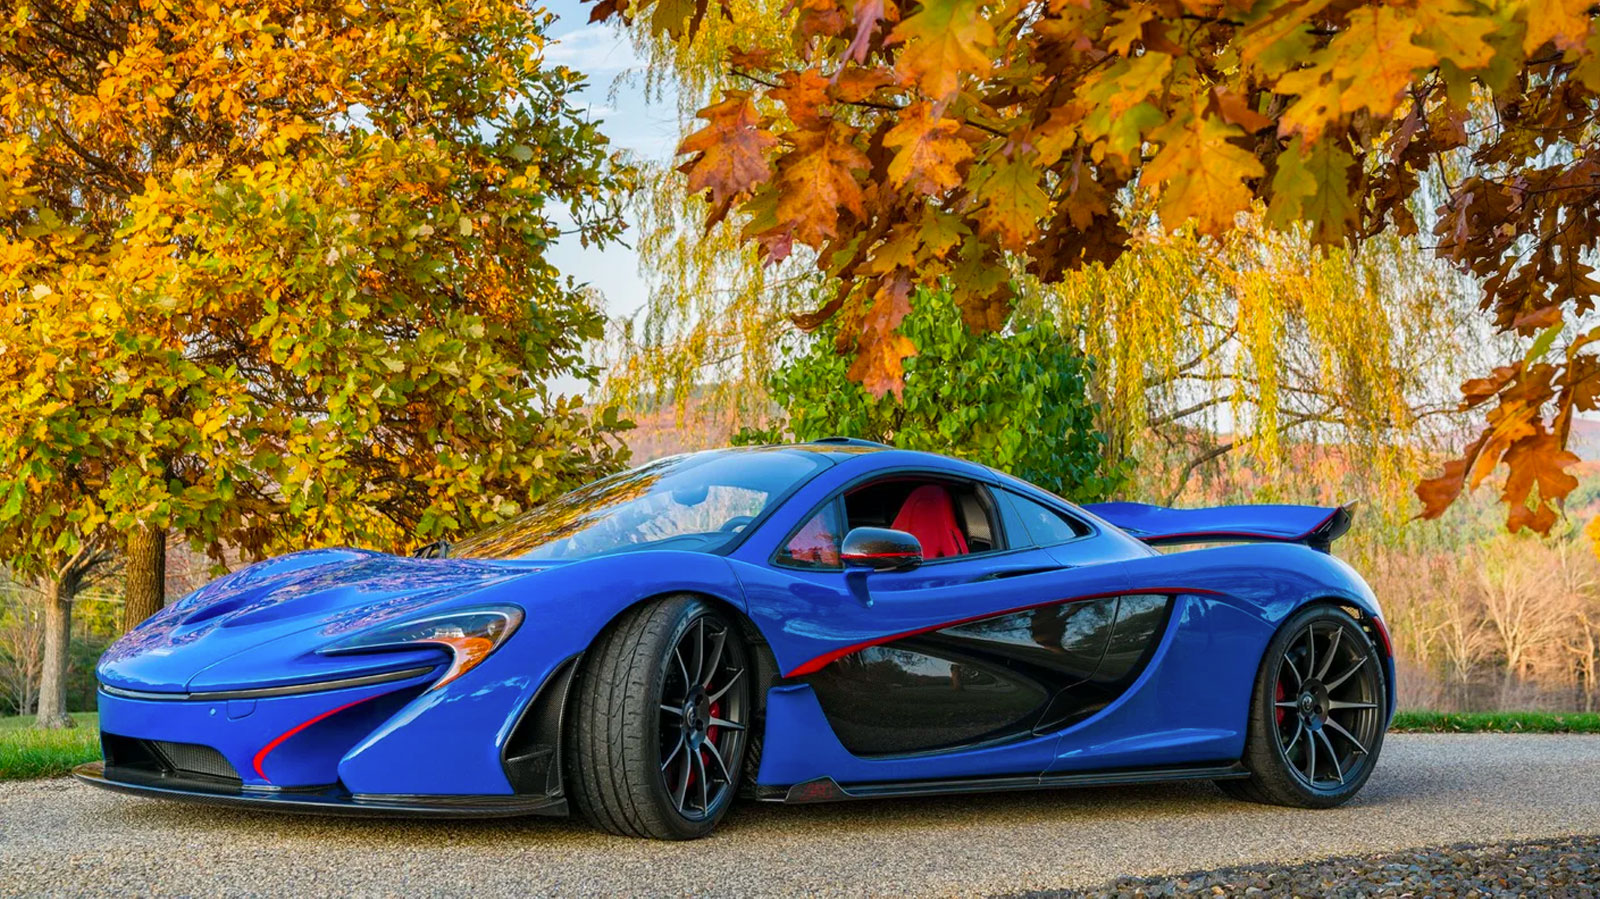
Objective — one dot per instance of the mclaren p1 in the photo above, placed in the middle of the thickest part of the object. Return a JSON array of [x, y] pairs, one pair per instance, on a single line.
[[790, 624]]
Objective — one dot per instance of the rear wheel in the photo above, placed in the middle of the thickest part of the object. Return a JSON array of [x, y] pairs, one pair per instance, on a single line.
[[1317, 714], [662, 716]]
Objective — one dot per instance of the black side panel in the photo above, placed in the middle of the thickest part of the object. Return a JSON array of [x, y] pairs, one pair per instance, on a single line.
[[911, 697], [1140, 622], [996, 679]]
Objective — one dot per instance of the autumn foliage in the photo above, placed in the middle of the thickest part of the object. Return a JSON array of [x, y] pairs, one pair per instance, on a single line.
[[967, 141], [274, 273]]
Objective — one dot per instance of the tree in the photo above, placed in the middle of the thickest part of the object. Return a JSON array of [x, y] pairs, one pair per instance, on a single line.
[[21, 646], [54, 532], [275, 273], [1014, 400], [960, 138], [1255, 349]]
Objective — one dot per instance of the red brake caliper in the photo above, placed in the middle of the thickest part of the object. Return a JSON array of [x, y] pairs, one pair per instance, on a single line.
[[1279, 698], [711, 734]]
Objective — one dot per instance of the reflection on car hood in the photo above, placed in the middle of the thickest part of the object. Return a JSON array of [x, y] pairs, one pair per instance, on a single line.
[[195, 644]]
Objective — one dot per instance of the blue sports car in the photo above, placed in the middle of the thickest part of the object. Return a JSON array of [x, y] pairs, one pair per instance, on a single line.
[[796, 624]]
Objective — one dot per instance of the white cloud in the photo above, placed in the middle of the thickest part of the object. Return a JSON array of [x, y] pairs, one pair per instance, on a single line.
[[593, 49]]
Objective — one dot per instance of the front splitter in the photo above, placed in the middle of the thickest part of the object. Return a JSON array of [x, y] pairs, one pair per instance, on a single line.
[[331, 800]]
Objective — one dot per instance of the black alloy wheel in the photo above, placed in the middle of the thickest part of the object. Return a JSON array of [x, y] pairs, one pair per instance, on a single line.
[[1318, 714], [703, 717], [663, 713]]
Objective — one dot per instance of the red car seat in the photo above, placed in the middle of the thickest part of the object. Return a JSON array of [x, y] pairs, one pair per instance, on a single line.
[[929, 515]]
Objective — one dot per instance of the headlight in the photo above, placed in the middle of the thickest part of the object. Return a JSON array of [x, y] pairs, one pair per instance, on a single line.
[[470, 635]]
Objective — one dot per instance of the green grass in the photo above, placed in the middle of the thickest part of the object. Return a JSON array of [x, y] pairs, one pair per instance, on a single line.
[[26, 753], [1497, 722]]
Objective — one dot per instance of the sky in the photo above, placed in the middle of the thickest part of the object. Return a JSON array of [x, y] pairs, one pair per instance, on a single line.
[[633, 122]]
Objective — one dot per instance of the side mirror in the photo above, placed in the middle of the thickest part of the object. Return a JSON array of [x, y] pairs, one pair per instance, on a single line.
[[880, 549]]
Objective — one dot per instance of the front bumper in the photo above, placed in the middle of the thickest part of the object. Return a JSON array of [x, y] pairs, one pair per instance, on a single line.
[[312, 801]]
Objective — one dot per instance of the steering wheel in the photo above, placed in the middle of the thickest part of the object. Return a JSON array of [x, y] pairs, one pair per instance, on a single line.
[[735, 523]]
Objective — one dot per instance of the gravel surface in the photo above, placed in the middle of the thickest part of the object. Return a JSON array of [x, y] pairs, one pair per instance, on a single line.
[[1568, 867], [62, 838]]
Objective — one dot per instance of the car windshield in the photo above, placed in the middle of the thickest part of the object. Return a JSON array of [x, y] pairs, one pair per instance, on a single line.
[[699, 502]]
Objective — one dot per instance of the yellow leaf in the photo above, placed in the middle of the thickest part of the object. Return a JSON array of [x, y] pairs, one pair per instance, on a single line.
[[1452, 29], [1011, 202], [943, 40], [1564, 23], [1199, 175], [1313, 185]]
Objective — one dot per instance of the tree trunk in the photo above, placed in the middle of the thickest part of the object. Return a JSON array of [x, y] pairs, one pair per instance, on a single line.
[[58, 596], [145, 575]]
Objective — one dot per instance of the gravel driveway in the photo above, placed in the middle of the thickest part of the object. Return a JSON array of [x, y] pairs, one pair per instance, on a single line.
[[58, 837]]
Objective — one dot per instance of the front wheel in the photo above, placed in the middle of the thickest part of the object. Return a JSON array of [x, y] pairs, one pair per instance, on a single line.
[[1317, 715], [663, 708]]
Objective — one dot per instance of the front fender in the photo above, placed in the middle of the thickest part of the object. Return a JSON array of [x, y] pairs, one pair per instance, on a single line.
[[450, 740]]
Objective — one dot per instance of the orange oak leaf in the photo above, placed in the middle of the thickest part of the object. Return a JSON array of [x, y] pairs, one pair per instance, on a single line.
[[928, 151], [1438, 493], [828, 18], [1538, 460], [944, 39], [881, 349], [1235, 109], [761, 58], [801, 94], [1380, 58], [730, 152], [853, 84], [1477, 390], [817, 180]]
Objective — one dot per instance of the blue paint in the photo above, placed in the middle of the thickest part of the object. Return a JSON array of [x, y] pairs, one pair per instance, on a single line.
[[263, 626]]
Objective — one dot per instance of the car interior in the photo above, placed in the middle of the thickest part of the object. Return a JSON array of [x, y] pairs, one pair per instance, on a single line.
[[949, 518]]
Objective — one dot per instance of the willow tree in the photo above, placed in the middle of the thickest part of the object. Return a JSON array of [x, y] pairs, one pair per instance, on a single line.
[[1261, 347], [275, 274]]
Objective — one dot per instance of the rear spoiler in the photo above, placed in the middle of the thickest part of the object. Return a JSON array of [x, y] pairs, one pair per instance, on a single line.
[[1314, 526]]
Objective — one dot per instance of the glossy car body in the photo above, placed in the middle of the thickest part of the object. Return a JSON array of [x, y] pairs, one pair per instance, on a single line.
[[1092, 659]]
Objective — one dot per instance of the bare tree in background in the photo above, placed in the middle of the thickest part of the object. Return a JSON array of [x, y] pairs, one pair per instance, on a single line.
[[21, 644]]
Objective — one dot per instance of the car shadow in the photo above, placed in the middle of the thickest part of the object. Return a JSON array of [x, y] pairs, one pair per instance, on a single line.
[[882, 816]]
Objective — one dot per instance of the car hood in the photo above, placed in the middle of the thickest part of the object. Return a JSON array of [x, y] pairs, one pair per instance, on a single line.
[[262, 625]]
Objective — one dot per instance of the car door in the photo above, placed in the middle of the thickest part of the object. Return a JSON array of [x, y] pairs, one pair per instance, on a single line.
[[956, 655]]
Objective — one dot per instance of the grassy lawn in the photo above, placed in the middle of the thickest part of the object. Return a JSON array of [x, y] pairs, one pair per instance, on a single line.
[[1498, 722], [26, 753]]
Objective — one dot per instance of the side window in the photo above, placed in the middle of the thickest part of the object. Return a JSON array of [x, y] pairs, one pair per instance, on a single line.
[[816, 544], [1045, 526], [948, 516]]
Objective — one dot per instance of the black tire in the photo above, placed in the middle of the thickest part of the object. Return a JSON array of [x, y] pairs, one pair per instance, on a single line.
[[1343, 683], [638, 768]]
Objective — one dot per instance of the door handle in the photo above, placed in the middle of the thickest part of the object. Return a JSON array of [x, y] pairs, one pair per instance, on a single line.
[[1022, 571]]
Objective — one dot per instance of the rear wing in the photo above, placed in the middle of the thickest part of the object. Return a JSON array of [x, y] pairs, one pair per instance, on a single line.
[[1314, 526]]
